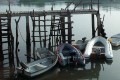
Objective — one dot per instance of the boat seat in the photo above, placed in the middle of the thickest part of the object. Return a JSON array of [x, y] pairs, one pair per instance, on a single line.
[[36, 67], [40, 65]]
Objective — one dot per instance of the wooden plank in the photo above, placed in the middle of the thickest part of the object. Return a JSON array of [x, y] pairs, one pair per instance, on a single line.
[[4, 18], [43, 20], [4, 37], [6, 58], [64, 35], [69, 29], [42, 25], [4, 29], [5, 50], [38, 36], [62, 22], [42, 40], [5, 63], [4, 25], [5, 34], [5, 53], [40, 31], [4, 41], [50, 12]]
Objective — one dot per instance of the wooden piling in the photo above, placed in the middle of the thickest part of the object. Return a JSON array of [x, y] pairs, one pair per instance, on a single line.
[[10, 53], [28, 42], [1, 52], [44, 30], [93, 26], [33, 34], [17, 42], [63, 29], [69, 28], [39, 32], [98, 24], [51, 43]]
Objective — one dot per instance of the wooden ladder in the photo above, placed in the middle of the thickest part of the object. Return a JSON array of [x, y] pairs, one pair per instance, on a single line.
[[6, 45], [39, 33], [61, 30], [55, 34]]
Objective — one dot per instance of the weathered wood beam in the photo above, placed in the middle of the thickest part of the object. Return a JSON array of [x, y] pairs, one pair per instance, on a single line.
[[49, 12]]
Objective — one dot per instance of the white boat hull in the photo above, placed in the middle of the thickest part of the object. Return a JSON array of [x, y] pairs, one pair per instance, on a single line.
[[106, 43]]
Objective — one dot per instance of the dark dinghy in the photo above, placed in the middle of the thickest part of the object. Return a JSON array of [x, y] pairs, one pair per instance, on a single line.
[[68, 54], [46, 61]]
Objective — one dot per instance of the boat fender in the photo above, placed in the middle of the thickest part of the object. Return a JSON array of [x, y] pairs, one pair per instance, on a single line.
[[110, 39]]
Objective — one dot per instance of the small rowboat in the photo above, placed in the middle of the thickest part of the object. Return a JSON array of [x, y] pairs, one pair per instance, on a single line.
[[46, 61], [115, 40]]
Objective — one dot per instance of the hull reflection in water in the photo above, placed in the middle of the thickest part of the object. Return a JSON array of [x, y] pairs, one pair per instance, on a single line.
[[7, 73], [90, 71]]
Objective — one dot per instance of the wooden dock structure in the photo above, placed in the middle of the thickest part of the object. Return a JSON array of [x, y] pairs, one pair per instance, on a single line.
[[49, 28]]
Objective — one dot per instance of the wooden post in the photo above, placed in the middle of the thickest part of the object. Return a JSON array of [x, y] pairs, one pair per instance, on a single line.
[[69, 28], [10, 53], [52, 31], [44, 30], [98, 5], [91, 4], [9, 5], [17, 43], [58, 34], [1, 52], [54, 38], [33, 34], [39, 32], [98, 24], [28, 43], [93, 26], [63, 29]]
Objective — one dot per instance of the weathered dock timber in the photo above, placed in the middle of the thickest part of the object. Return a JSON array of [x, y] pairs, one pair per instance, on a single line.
[[49, 12], [49, 28]]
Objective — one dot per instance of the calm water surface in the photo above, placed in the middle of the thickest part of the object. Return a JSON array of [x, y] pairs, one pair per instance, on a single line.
[[81, 28]]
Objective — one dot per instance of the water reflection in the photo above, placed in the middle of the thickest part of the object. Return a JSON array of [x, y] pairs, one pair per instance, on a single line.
[[90, 71], [7, 73]]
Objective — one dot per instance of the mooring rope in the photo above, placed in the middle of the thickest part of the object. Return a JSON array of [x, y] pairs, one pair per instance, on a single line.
[[21, 35]]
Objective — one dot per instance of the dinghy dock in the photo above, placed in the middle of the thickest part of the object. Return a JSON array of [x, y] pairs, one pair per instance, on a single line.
[[52, 26]]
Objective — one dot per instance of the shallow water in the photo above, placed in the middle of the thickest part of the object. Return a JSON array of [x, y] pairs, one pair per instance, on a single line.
[[81, 28]]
